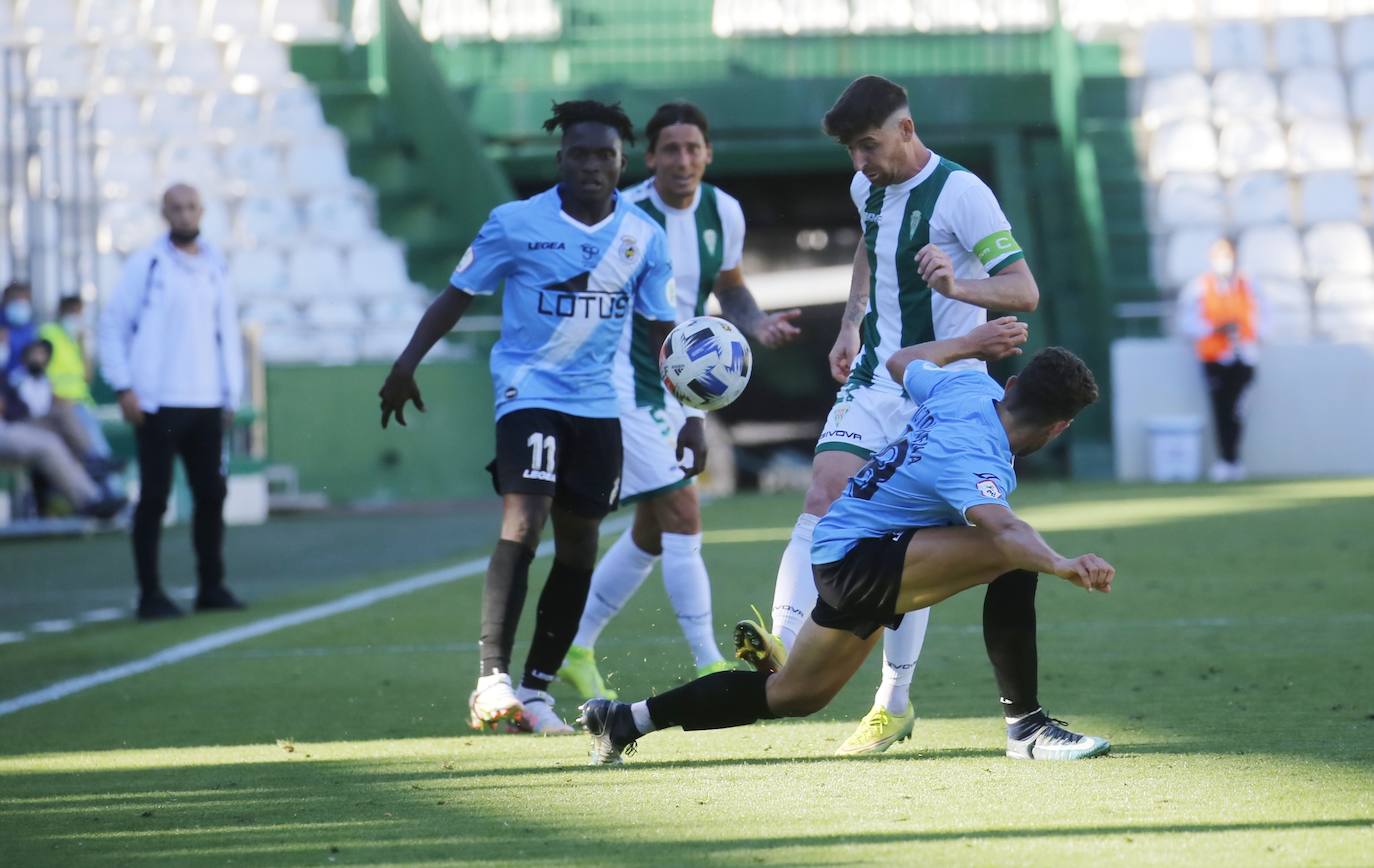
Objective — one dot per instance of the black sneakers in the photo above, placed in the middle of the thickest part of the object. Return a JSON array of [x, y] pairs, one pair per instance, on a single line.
[[156, 607], [216, 598]]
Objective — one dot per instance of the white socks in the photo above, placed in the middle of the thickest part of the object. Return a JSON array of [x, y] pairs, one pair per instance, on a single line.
[[794, 594], [689, 589], [643, 722], [901, 650], [616, 578]]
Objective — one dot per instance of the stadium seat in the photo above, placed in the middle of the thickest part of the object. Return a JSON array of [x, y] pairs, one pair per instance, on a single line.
[[125, 225], [126, 65], [315, 270], [252, 166], [259, 61], [294, 20], [1168, 47], [258, 273], [294, 110], [1251, 146], [1338, 250], [1357, 42], [191, 162], [124, 168], [340, 218], [1330, 196], [1186, 146], [226, 19], [118, 116], [215, 223], [1304, 42], [1238, 45], [172, 113], [171, 19], [1365, 162], [1268, 252], [1344, 309], [1239, 94], [317, 164], [334, 313], [192, 64], [525, 19], [400, 312], [274, 313], [107, 19], [1178, 97], [1318, 145], [1185, 255], [108, 267], [1362, 95], [1314, 93], [467, 20], [878, 16], [59, 68], [227, 112], [384, 344], [376, 267], [1190, 199], [45, 20], [268, 220], [284, 345]]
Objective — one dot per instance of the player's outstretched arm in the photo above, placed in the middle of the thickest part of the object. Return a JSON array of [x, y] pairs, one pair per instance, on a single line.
[[443, 314], [847, 344], [1024, 548], [991, 342], [739, 307], [1012, 288]]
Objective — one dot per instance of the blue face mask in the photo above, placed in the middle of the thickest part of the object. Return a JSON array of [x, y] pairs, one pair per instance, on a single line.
[[19, 312]]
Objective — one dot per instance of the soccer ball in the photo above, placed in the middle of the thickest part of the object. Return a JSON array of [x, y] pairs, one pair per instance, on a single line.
[[705, 362]]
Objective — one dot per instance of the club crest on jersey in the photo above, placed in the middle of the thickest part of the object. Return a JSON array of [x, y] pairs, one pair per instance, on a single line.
[[912, 225], [987, 486], [710, 238], [629, 248], [589, 252]]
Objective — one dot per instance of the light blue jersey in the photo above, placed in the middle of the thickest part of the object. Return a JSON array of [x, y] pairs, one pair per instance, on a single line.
[[952, 456], [569, 292]]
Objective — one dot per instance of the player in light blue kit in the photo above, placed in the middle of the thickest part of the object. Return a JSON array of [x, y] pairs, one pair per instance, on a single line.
[[925, 518], [576, 260]]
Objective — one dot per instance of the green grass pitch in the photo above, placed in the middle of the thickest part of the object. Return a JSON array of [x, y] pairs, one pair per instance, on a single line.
[[1232, 668]]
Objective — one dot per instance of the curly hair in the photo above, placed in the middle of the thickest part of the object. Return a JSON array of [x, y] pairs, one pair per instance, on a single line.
[[676, 112], [583, 111], [867, 103], [1054, 387]]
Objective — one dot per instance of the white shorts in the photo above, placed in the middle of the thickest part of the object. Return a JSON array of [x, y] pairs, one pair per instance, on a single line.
[[863, 420], [649, 436]]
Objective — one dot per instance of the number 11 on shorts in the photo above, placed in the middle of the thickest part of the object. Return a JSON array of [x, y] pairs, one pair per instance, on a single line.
[[543, 450]]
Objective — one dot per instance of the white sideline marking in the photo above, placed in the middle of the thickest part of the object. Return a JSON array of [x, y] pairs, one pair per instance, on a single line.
[[53, 625], [95, 616], [196, 647], [8, 636]]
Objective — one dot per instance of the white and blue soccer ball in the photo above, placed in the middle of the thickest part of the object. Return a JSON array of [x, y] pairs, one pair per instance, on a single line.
[[705, 362]]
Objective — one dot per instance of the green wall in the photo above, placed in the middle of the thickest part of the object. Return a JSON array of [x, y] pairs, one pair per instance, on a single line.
[[324, 420]]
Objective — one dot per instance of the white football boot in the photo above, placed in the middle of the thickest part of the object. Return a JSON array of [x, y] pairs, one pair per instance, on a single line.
[[494, 706], [539, 713]]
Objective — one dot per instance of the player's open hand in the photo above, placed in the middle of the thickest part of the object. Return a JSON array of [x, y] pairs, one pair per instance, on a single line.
[[936, 269], [693, 437], [399, 388], [842, 355], [1089, 572], [775, 329], [998, 339]]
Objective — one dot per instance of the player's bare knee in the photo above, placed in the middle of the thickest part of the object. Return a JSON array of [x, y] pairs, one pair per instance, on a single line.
[[677, 511], [789, 699], [523, 519]]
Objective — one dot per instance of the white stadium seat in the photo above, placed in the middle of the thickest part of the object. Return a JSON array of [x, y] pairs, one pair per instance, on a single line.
[[266, 220], [42, 20], [376, 267], [1190, 199], [1314, 93], [1238, 45], [1365, 163], [1241, 94], [315, 270], [1251, 146], [252, 165], [1186, 146], [317, 165], [1177, 97], [877, 16], [384, 344], [274, 313], [1344, 309], [229, 18], [215, 223], [1260, 198], [399, 312], [1338, 250], [338, 217], [334, 313], [107, 19], [1304, 42], [126, 65], [123, 169], [305, 19], [1357, 42], [118, 116], [56, 67], [1315, 145], [1267, 252], [258, 273], [227, 112], [191, 162], [1362, 95], [1185, 255], [1166, 48], [261, 60], [169, 113], [1330, 196], [192, 64], [172, 19], [1286, 311], [125, 225], [294, 110]]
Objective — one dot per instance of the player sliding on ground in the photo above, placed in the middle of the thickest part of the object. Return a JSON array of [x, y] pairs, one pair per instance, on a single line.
[[575, 260], [705, 228], [925, 518]]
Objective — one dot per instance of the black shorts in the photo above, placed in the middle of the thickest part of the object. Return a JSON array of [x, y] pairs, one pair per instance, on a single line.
[[858, 592], [573, 459]]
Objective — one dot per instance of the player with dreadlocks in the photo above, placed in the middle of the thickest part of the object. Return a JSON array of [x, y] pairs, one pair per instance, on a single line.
[[576, 261]]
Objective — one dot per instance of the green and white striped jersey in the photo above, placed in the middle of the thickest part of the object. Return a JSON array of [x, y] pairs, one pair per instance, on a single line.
[[703, 240], [945, 204]]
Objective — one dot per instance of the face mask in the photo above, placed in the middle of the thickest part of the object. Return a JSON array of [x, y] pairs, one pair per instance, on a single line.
[[1223, 267], [184, 237], [35, 368], [19, 312], [71, 324]]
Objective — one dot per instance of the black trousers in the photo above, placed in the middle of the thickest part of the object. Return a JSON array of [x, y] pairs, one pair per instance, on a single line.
[[195, 434], [1226, 384]]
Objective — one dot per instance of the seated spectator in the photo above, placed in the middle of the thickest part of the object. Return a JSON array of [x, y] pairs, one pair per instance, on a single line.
[[16, 318], [43, 452], [32, 400], [69, 371]]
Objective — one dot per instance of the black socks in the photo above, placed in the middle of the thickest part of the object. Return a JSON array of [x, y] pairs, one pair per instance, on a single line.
[[717, 701], [555, 625], [1009, 634], [503, 596]]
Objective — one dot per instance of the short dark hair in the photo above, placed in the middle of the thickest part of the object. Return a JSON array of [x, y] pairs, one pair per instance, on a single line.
[[69, 302], [589, 111], [1054, 387], [15, 286], [867, 103], [676, 112]]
